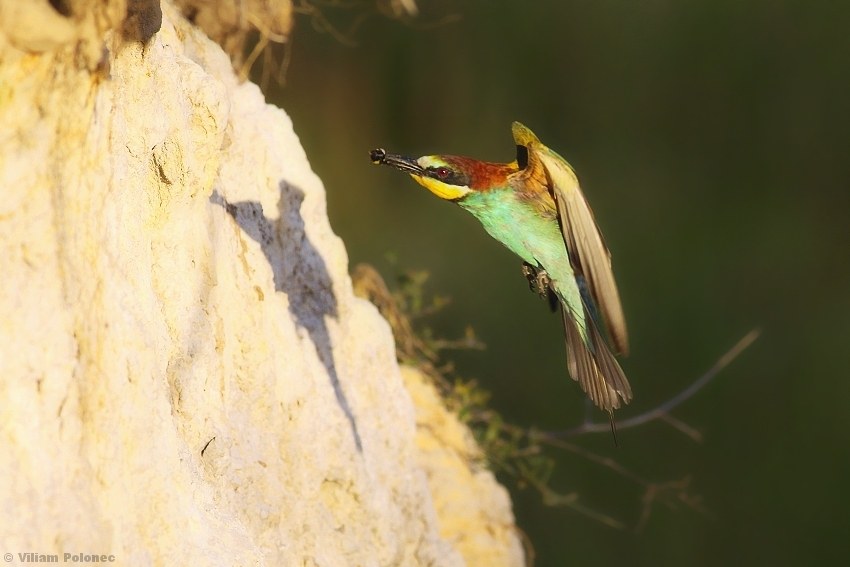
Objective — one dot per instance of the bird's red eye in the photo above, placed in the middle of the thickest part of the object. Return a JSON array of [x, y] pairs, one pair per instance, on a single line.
[[442, 173]]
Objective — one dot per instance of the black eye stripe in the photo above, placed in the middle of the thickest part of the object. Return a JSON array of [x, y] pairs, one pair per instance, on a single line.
[[446, 175]]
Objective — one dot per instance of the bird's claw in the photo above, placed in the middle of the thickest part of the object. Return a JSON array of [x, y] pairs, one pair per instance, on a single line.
[[539, 283], [538, 279]]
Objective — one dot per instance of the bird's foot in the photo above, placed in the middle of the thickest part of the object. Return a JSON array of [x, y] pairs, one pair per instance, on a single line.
[[539, 283], [538, 279]]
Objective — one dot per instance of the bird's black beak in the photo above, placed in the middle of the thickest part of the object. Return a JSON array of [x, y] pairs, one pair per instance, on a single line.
[[404, 163]]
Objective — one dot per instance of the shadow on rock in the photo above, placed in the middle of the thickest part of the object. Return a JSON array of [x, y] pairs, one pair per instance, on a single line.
[[299, 272]]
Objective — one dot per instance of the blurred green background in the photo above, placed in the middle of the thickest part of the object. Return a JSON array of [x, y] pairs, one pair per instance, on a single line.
[[711, 139]]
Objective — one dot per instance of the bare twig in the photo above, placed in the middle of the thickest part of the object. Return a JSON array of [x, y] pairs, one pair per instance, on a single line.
[[686, 429], [571, 500], [672, 494], [606, 462]]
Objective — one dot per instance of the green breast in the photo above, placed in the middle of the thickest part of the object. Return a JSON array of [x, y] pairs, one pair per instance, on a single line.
[[531, 236]]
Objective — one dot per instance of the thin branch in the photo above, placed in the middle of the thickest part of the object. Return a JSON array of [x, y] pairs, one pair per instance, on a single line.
[[571, 500], [683, 427], [662, 411], [591, 456], [671, 494]]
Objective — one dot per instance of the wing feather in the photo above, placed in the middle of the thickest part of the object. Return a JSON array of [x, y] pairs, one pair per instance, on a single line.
[[585, 244], [589, 359]]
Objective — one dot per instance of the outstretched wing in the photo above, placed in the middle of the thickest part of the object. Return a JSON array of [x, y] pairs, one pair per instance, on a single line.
[[589, 255], [590, 361]]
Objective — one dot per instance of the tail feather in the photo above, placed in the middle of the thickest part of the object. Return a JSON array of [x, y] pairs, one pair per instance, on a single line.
[[593, 366]]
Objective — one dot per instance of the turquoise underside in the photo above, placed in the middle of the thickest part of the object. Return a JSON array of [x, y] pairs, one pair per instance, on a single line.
[[535, 239]]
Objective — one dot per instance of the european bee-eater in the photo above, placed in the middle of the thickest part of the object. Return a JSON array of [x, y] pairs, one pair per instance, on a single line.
[[535, 207]]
